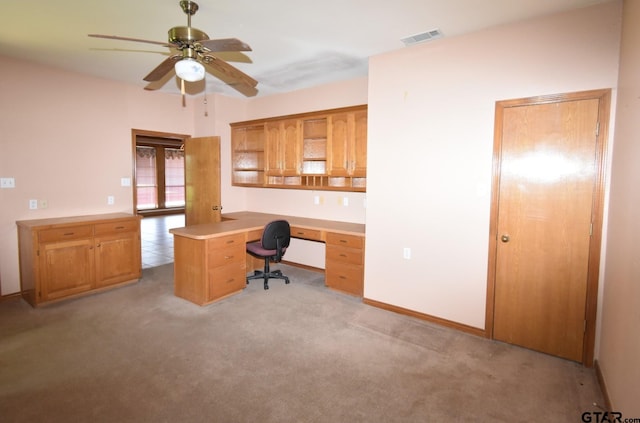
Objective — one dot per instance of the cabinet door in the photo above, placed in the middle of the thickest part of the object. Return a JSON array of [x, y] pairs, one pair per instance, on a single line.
[[283, 148], [358, 140], [117, 258], [338, 146], [66, 268], [291, 158], [272, 149]]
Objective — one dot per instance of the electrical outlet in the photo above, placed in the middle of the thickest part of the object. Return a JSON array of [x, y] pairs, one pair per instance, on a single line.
[[406, 253], [345, 201], [7, 183], [44, 204], [33, 204], [111, 200]]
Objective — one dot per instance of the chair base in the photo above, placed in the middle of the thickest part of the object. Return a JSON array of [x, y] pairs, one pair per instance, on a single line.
[[259, 274]]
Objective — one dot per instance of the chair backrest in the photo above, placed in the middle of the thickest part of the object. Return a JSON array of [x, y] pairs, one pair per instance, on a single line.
[[276, 236]]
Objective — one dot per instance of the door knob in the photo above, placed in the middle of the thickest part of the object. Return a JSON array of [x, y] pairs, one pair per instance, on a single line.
[[216, 208], [504, 238]]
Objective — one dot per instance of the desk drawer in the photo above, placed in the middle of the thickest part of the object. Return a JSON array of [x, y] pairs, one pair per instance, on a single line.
[[344, 277], [343, 240], [65, 234], [344, 255], [225, 242], [234, 253], [311, 234], [116, 227], [226, 280]]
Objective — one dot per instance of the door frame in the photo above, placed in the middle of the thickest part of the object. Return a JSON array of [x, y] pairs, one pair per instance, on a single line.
[[602, 137], [135, 133]]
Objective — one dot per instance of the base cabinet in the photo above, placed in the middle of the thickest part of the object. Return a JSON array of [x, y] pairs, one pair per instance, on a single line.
[[207, 270], [66, 257], [344, 263]]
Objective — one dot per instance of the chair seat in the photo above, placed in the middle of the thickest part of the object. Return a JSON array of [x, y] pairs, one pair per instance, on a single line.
[[258, 249]]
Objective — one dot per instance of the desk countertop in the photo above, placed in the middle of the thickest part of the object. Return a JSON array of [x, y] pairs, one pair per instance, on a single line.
[[240, 222]]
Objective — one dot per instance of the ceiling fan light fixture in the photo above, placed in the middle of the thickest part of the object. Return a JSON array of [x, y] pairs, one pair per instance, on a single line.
[[190, 70]]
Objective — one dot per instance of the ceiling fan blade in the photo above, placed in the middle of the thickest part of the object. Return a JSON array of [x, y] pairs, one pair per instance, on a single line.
[[115, 37], [231, 74], [225, 44], [163, 68]]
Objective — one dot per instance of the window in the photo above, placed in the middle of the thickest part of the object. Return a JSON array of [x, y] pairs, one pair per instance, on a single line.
[[159, 174]]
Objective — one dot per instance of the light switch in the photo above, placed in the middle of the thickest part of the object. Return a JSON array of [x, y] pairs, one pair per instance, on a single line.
[[33, 204], [125, 182]]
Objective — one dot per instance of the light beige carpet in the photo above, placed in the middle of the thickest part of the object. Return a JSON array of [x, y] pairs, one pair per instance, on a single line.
[[294, 353]]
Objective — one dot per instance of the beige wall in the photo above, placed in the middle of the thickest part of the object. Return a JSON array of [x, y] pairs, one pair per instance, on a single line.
[[432, 105], [619, 355]]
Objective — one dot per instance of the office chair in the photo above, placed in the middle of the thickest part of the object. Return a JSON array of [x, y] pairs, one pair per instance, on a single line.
[[272, 246]]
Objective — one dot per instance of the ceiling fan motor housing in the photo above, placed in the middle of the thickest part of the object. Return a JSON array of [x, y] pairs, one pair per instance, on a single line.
[[185, 36]]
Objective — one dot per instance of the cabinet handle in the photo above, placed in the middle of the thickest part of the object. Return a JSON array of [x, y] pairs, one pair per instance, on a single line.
[[344, 241], [231, 280], [68, 233], [119, 227], [343, 255], [228, 257], [98, 245]]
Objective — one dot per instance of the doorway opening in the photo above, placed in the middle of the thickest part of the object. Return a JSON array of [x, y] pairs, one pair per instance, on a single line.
[[158, 191], [158, 169]]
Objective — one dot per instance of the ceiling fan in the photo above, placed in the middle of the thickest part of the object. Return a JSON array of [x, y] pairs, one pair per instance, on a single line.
[[197, 53]]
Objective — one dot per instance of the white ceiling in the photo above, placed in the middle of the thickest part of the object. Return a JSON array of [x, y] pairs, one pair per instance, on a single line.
[[296, 43]]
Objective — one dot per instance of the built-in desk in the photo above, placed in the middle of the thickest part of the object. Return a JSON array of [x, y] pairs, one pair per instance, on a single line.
[[211, 263]]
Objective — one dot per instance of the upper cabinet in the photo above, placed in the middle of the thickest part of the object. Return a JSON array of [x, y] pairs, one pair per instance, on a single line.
[[325, 150]]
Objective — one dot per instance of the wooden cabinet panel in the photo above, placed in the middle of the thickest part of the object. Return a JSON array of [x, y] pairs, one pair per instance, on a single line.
[[117, 258], [67, 268], [67, 257], [283, 148], [348, 144]]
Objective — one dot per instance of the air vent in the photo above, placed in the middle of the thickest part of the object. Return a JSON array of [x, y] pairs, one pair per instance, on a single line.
[[425, 36]]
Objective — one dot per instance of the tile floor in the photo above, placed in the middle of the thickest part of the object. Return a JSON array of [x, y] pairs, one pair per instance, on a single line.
[[157, 242]]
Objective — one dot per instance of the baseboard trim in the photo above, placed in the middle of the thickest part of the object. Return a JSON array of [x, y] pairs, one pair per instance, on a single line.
[[603, 386], [10, 297], [422, 316]]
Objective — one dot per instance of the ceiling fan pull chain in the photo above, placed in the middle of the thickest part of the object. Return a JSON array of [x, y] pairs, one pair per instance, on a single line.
[[206, 111]]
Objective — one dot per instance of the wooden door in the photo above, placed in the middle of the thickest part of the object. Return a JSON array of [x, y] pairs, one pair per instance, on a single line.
[[202, 180], [548, 200]]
